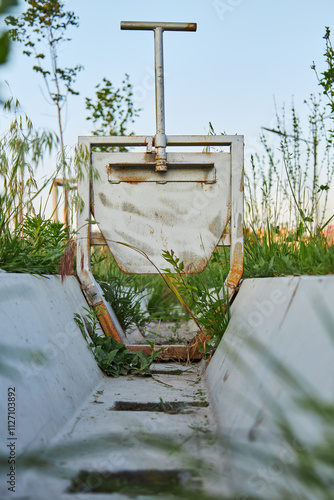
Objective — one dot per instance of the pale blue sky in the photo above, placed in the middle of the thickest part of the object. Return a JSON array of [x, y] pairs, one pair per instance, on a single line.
[[243, 54]]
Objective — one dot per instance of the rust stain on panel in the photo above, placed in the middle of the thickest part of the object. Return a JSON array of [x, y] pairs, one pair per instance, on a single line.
[[104, 200], [196, 265], [97, 239], [130, 208], [94, 300], [91, 206], [214, 226], [133, 179]]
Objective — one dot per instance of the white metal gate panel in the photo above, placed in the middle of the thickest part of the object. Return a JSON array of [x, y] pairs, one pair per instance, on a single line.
[[184, 209]]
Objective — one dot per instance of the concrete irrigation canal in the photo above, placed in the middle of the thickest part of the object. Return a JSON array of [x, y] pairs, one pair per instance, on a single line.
[[135, 437], [238, 425]]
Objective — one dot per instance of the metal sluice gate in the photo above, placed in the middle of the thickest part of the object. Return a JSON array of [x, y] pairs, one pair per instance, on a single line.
[[155, 199]]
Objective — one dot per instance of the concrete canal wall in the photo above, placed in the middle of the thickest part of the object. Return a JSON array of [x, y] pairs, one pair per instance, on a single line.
[[278, 348], [42, 354], [274, 363]]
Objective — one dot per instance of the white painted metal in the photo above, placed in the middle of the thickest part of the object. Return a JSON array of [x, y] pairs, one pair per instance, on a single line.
[[89, 286], [237, 215], [176, 210], [140, 25], [172, 140], [139, 167], [187, 210], [159, 28], [160, 137]]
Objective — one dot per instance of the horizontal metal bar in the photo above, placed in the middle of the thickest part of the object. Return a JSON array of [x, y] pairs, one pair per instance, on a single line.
[[204, 160], [139, 25], [115, 140], [60, 183], [203, 140], [117, 174], [172, 140]]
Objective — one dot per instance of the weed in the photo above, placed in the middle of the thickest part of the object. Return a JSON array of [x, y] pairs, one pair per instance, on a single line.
[[112, 356], [35, 247], [208, 307], [279, 252], [202, 295], [161, 304], [125, 298], [295, 188]]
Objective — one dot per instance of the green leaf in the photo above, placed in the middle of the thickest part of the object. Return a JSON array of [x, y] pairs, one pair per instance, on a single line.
[[4, 47]]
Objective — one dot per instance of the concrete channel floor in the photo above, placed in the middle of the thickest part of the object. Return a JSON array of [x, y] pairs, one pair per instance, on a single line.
[[122, 435]]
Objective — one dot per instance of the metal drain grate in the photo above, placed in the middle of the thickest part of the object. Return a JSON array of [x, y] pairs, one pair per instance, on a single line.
[[137, 482], [161, 406]]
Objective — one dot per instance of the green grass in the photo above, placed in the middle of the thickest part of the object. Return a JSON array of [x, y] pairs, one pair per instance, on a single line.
[[271, 252], [201, 294], [278, 253], [162, 303], [36, 246]]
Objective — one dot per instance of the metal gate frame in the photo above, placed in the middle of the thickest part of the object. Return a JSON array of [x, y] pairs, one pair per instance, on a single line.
[[86, 237]]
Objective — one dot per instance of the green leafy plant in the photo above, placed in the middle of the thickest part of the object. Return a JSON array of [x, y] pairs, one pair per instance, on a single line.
[[36, 247], [295, 188], [22, 150], [326, 79], [162, 304], [112, 109], [123, 292], [5, 5], [112, 356], [203, 296], [28, 242]]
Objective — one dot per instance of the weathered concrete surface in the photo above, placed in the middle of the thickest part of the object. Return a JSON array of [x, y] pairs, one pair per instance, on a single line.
[[50, 366], [65, 402], [100, 438], [279, 346], [68, 403]]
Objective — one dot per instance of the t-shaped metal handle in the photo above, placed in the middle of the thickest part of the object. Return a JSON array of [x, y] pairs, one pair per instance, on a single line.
[[158, 28]]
